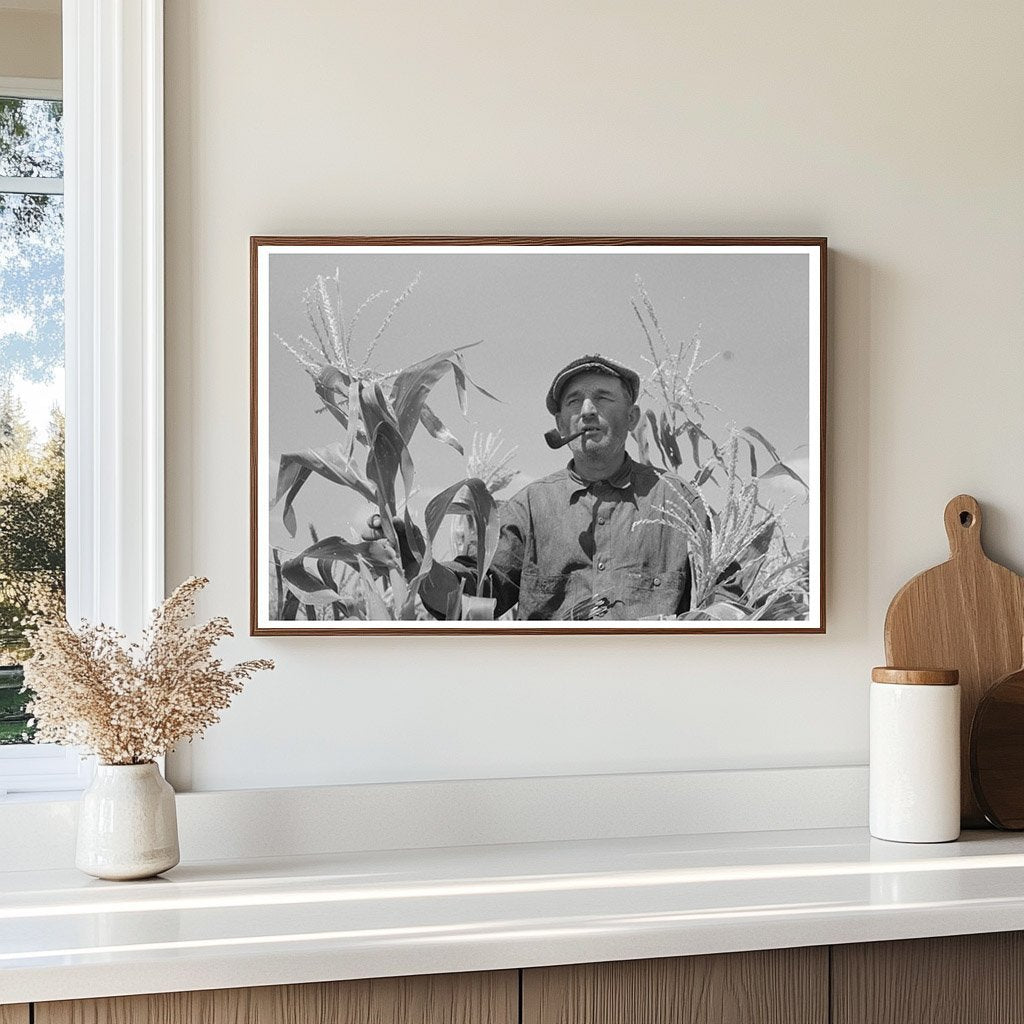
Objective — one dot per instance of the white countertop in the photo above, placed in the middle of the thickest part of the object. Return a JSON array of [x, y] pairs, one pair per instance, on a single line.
[[224, 924]]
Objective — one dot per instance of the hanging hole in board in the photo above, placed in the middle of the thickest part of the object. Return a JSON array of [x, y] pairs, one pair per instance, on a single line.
[[966, 519]]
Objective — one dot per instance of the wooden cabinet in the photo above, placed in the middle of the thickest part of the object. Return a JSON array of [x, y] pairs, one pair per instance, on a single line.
[[482, 998], [967, 979], [776, 986], [962, 979]]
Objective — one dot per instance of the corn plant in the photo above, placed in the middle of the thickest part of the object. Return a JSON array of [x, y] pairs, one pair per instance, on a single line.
[[378, 413], [486, 462], [741, 561]]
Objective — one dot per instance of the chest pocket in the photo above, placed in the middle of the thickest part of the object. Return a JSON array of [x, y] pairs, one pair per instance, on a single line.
[[540, 596], [646, 594]]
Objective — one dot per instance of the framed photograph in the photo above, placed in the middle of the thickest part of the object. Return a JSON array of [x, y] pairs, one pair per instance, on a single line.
[[537, 435]]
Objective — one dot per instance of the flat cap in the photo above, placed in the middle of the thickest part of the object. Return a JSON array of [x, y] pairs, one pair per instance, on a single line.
[[596, 364]]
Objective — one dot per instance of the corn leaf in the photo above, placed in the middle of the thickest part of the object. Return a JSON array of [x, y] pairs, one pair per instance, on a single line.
[[784, 606], [376, 607], [404, 597], [278, 578], [399, 590], [484, 515], [438, 430], [353, 418], [753, 459], [653, 420], [388, 457], [290, 478], [798, 564], [718, 610], [325, 567], [388, 453], [768, 446], [696, 434], [336, 549], [330, 383], [331, 463], [375, 409], [404, 590], [702, 476], [669, 444], [309, 589], [414, 540], [413, 385], [643, 449], [462, 375], [781, 469], [758, 547], [453, 608], [753, 557]]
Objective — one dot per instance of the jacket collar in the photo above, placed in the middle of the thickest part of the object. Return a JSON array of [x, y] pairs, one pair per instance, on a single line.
[[622, 479]]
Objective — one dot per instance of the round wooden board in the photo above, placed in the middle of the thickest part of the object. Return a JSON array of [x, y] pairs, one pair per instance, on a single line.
[[997, 752]]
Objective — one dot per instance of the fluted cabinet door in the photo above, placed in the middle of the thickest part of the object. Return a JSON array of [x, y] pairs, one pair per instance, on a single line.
[[14, 1014], [482, 998], [777, 986], [960, 979]]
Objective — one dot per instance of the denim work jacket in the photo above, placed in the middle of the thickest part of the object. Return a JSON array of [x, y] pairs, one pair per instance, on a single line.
[[573, 549]]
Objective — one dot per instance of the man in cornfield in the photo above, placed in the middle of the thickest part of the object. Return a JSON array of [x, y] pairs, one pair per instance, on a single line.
[[588, 541]]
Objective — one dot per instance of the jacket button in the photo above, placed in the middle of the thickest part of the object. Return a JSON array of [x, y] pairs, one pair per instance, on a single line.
[[600, 522], [600, 565], [657, 581]]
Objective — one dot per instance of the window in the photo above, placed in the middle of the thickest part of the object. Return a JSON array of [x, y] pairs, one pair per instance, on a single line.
[[31, 381], [32, 533], [113, 334]]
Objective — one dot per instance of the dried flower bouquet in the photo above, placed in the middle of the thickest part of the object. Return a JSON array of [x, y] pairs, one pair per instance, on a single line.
[[130, 703]]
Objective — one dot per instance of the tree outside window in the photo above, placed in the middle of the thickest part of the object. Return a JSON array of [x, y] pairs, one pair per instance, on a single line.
[[31, 385]]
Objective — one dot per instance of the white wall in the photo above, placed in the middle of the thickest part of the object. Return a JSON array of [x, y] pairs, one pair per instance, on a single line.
[[894, 129]]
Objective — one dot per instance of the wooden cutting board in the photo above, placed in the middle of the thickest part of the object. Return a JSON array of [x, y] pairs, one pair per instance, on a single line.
[[967, 614]]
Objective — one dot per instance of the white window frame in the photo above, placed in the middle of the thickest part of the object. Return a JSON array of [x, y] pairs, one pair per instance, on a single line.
[[114, 347]]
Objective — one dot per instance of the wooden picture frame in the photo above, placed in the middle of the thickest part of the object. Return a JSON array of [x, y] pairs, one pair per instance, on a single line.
[[400, 389]]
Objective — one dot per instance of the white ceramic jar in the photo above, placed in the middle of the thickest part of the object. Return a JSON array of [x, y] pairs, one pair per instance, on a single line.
[[915, 755], [127, 823]]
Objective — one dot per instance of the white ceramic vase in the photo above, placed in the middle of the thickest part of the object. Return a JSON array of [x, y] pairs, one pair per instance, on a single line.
[[127, 825]]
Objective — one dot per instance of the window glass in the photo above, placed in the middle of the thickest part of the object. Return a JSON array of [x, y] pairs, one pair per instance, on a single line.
[[31, 386], [31, 138]]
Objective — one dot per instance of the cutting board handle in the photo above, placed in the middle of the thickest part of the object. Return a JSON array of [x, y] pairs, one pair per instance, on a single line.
[[963, 527]]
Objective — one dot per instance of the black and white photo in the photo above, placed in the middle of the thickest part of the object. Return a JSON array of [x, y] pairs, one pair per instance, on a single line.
[[537, 435]]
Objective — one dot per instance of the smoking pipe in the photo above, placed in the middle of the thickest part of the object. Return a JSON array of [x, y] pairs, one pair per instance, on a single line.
[[555, 440]]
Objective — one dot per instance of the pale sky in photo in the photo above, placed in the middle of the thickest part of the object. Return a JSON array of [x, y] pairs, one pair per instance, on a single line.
[[531, 314]]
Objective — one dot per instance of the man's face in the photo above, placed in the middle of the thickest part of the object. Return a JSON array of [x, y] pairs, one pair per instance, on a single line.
[[598, 400]]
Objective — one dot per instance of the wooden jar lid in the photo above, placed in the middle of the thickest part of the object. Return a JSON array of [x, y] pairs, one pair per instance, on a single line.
[[916, 676]]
